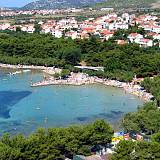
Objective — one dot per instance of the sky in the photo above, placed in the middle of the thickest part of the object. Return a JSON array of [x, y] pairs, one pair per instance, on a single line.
[[14, 3]]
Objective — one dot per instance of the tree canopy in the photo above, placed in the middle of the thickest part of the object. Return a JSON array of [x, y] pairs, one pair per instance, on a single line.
[[128, 150], [55, 143], [120, 62]]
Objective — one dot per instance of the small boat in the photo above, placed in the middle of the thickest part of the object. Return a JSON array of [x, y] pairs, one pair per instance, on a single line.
[[13, 73], [132, 98], [38, 108], [26, 70], [17, 72], [46, 119]]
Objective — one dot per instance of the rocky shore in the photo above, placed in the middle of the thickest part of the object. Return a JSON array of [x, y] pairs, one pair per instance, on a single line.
[[48, 70], [23, 66]]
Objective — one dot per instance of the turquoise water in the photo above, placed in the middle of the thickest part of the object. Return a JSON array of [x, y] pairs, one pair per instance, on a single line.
[[23, 109]]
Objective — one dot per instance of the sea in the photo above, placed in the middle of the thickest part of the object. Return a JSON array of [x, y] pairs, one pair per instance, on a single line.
[[23, 108]]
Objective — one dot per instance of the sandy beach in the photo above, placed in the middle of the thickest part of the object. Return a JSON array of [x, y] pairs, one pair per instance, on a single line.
[[78, 79]]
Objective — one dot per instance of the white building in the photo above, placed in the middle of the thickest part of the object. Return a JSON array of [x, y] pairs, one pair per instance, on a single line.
[[134, 37], [72, 34], [57, 33], [144, 42], [156, 29], [4, 26]]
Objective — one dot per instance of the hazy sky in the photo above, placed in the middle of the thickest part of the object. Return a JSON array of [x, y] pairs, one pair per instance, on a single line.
[[14, 3]]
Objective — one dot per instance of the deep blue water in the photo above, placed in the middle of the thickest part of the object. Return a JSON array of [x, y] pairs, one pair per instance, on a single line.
[[8, 99], [23, 109]]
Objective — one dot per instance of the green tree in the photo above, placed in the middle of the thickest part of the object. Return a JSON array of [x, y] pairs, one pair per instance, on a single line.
[[55, 143], [124, 151], [145, 120], [65, 73], [128, 150], [18, 29], [37, 27], [100, 132], [156, 137]]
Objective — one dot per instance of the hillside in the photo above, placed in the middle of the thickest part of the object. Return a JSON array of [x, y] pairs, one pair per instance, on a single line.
[[128, 3], [54, 4]]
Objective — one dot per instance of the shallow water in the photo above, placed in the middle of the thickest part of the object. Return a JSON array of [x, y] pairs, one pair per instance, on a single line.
[[23, 109]]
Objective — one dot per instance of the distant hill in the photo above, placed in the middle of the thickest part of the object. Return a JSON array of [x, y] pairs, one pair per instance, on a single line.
[[128, 3], [54, 4]]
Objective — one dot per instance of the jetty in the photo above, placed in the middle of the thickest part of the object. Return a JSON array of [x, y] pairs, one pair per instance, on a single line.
[[90, 68]]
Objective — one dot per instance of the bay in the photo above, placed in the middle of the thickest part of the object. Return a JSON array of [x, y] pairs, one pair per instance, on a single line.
[[23, 109]]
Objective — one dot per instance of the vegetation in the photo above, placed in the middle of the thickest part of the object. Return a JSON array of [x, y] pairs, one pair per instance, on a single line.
[[145, 120], [54, 4], [63, 75], [37, 28], [37, 49], [120, 62], [127, 150], [126, 3], [55, 143], [123, 34], [153, 86]]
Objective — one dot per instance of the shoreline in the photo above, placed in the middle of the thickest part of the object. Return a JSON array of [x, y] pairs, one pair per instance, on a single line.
[[48, 70], [78, 79], [10, 66]]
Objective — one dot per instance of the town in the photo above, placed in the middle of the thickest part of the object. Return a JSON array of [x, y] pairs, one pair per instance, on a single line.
[[103, 27]]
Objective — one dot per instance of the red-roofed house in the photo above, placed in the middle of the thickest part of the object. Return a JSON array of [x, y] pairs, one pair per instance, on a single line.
[[144, 42], [84, 35], [12, 28], [134, 36], [72, 34], [106, 34], [89, 30]]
